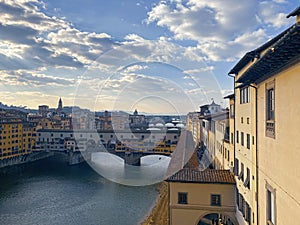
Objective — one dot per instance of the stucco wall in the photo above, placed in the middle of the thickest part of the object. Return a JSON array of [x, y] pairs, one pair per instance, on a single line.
[[279, 157]]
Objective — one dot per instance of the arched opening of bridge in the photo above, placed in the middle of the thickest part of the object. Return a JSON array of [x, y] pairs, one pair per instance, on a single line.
[[216, 219]]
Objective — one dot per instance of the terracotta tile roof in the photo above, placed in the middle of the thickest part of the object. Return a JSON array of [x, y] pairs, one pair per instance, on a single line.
[[189, 175]]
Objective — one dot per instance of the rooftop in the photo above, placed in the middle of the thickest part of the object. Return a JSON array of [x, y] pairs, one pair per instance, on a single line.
[[189, 175], [284, 52]]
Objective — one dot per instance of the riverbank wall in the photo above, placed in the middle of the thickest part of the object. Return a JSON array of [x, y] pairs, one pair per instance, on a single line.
[[5, 164]]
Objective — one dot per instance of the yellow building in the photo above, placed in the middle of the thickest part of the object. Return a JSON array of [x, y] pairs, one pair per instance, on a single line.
[[201, 197], [267, 119], [160, 147], [224, 156], [11, 137], [29, 137], [229, 140], [45, 123], [193, 124]]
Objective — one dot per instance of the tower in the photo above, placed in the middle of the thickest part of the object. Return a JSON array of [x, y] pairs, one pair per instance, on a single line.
[[60, 107]]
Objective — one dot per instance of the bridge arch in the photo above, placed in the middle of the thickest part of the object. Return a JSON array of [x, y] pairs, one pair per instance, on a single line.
[[212, 218]]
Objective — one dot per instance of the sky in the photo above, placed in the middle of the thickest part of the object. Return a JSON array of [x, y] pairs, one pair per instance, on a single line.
[[168, 56]]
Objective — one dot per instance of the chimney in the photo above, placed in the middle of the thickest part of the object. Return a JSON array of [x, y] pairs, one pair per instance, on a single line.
[[296, 13]]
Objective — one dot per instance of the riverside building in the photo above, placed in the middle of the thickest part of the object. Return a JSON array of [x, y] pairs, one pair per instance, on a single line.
[[267, 129]]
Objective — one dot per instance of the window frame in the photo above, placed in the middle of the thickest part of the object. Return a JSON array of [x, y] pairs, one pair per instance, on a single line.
[[270, 219], [242, 138], [236, 167], [248, 141], [270, 98], [215, 200], [245, 95], [182, 198], [241, 175], [247, 180]]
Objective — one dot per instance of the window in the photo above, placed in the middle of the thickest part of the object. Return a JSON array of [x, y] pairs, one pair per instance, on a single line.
[[241, 175], [270, 109], [248, 141], [242, 138], [215, 200], [182, 198], [237, 136], [236, 167], [270, 104], [232, 111], [232, 138], [247, 212], [247, 181], [271, 206], [228, 156], [242, 120], [244, 95]]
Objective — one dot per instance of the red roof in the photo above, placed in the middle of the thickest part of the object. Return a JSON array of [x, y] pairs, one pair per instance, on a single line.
[[189, 175]]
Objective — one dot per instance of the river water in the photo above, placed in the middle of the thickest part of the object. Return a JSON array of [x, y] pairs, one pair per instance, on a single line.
[[49, 192]]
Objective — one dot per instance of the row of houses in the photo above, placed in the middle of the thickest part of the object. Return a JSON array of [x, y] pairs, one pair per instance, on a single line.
[[255, 140], [62, 140], [17, 138]]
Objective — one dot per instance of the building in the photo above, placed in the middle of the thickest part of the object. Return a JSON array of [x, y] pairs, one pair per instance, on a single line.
[[210, 130], [219, 136], [29, 137], [193, 124], [137, 121], [267, 130], [17, 138], [43, 110], [229, 140], [56, 139], [201, 197], [11, 137]]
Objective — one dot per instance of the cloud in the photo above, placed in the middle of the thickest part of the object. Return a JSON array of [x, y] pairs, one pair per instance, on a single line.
[[47, 40], [270, 12], [134, 68], [219, 28], [33, 78]]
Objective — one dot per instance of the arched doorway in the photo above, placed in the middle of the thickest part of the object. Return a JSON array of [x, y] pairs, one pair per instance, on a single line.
[[215, 219]]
